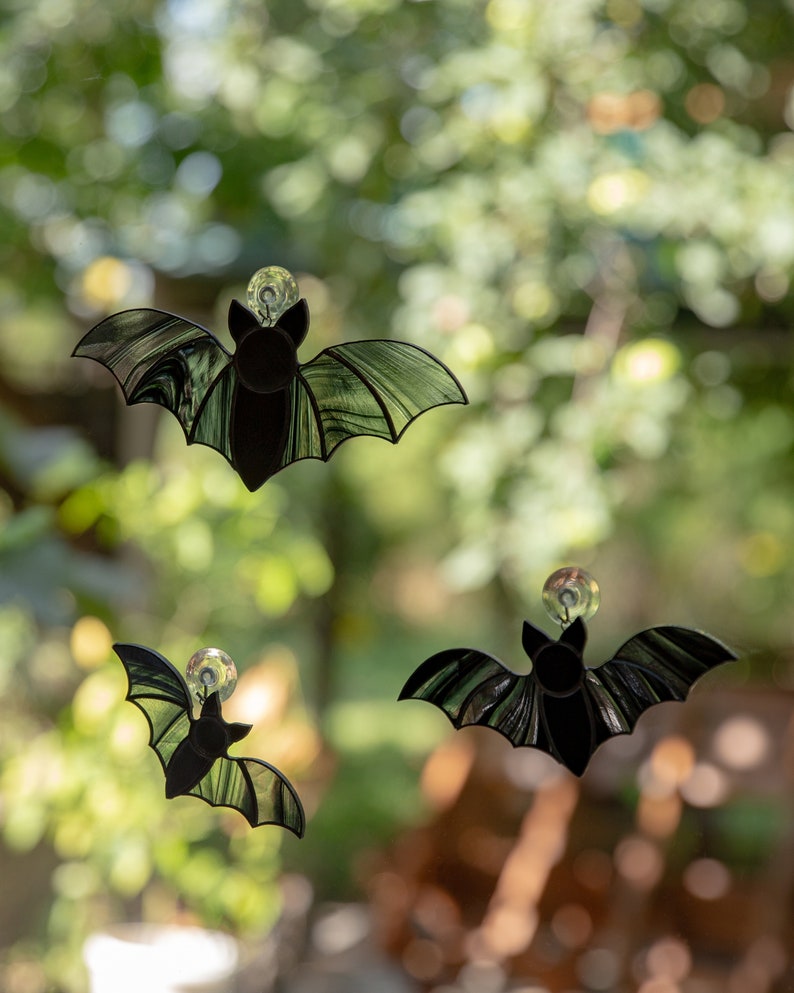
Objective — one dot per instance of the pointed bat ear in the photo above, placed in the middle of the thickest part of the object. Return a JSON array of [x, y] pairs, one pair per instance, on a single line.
[[212, 705], [533, 639], [575, 635], [295, 321], [241, 319], [237, 732]]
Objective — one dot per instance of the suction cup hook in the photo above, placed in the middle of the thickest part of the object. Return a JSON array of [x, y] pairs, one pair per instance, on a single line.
[[271, 291], [570, 593], [211, 670]]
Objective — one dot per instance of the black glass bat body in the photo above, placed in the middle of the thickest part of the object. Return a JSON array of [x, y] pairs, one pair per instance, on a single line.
[[562, 706], [193, 751], [260, 407]]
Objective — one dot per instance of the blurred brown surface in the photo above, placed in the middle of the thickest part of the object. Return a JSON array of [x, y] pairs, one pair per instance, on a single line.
[[671, 861]]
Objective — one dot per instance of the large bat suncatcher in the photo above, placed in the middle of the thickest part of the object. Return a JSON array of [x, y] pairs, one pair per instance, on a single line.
[[259, 406], [564, 707]]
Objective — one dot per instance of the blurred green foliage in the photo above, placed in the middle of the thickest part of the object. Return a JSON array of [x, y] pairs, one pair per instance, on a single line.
[[585, 208]]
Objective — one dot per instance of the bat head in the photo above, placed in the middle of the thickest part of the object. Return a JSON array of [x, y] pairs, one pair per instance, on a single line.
[[557, 666], [210, 735], [266, 358]]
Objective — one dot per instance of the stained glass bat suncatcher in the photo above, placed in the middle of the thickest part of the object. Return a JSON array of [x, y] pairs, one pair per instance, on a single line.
[[193, 751], [564, 707], [260, 407]]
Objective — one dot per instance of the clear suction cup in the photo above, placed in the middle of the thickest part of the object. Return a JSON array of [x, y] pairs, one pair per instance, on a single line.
[[570, 593], [210, 670], [271, 291]]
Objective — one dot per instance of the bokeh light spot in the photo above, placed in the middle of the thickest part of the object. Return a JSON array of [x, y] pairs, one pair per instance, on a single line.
[[705, 787], [768, 953], [672, 760], [599, 969], [669, 958], [572, 925], [593, 869], [639, 861], [652, 360], [707, 879], [712, 368], [422, 959], [705, 103], [771, 286], [508, 15], [762, 554], [615, 191], [482, 977], [508, 930], [105, 282], [199, 173], [659, 816], [612, 112], [90, 642], [446, 771], [340, 928], [659, 984], [741, 742]]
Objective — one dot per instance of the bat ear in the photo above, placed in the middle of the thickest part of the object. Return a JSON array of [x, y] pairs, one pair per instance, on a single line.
[[533, 639], [241, 320], [575, 635], [211, 706], [295, 321], [237, 732]]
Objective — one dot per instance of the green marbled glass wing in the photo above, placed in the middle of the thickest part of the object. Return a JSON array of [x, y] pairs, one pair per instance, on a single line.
[[372, 388], [258, 790], [160, 358]]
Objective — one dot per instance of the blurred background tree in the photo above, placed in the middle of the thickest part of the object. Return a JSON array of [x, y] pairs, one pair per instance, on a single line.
[[584, 208]]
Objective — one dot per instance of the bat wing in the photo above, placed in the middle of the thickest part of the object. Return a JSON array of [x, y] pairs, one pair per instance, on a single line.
[[363, 388], [659, 664], [158, 689], [258, 790], [472, 687], [160, 358]]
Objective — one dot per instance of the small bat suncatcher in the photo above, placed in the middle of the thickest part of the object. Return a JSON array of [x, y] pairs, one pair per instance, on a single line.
[[193, 751], [260, 407], [564, 707]]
